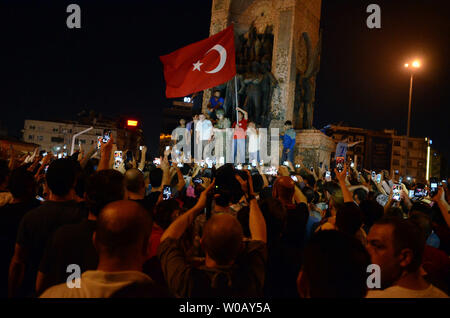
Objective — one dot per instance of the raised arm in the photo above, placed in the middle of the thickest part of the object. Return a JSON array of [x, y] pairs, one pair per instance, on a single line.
[[106, 151], [439, 198], [179, 226], [341, 178], [243, 111], [143, 156], [257, 223]]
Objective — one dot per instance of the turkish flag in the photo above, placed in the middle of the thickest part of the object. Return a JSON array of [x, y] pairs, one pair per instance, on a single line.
[[200, 65]]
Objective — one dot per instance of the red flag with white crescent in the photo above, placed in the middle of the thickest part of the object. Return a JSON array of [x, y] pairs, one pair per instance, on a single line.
[[200, 65]]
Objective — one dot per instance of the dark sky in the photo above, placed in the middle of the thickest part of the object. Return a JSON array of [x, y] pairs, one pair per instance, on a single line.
[[111, 65]]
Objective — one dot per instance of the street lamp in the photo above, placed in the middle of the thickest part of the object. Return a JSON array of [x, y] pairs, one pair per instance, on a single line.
[[414, 65]]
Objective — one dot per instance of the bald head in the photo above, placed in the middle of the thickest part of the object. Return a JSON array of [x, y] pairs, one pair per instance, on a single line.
[[123, 228], [284, 189], [222, 238], [135, 181]]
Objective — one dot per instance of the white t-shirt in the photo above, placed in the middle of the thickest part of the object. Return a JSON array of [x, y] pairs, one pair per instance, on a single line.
[[204, 129], [401, 292], [252, 140]]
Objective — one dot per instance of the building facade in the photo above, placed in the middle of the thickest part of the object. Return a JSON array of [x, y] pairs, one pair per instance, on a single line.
[[417, 157], [56, 136], [384, 150]]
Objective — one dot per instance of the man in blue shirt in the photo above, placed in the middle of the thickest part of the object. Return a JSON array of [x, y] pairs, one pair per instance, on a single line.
[[215, 103], [288, 137]]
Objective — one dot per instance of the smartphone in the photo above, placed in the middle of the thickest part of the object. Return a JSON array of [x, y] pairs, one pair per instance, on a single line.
[[60, 155], [396, 190], [378, 178], [117, 158], [340, 163], [352, 165], [419, 193], [197, 180], [129, 156], [157, 161], [106, 135], [400, 180], [249, 167], [285, 163], [328, 176], [99, 141], [141, 147], [46, 168], [44, 154], [167, 148], [239, 167], [294, 178], [411, 194], [373, 176], [167, 192], [180, 164], [433, 188], [320, 165], [254, 163], [297, 165]]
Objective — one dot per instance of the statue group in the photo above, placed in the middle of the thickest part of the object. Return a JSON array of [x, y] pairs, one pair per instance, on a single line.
[[252, 88]]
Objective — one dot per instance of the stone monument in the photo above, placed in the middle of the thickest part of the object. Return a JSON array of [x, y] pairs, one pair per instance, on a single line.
[[278, 46]]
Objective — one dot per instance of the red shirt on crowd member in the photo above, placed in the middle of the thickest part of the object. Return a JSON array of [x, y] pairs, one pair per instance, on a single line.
[[153, 243], [239, 133]]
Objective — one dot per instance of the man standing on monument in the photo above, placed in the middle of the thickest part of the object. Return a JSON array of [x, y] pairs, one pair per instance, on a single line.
[[204, 134], [288, 137], [240, 129], [215, 103]]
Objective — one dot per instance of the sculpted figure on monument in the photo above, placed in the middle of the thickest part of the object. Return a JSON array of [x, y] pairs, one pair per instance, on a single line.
[[253, 92], [305, 83], [268, 83], [267, 45], [229, 104]]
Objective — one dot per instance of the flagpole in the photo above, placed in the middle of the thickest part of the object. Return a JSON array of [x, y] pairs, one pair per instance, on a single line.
[[236, 95]]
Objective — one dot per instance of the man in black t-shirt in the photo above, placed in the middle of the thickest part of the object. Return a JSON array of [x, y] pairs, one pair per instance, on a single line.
[[38, 225], [231, 268], [72, 243]]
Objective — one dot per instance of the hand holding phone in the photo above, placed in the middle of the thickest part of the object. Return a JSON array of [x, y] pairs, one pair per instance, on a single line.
[[340, 163], [396, 190], [167, 192]]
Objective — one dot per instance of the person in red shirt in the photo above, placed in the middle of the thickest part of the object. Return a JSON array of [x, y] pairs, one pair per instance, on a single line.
[[239, 136]]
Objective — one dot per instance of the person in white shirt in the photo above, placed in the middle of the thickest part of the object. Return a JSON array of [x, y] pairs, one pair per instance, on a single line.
[[397, 246], [253, 142], [204, 134], [121, 239]]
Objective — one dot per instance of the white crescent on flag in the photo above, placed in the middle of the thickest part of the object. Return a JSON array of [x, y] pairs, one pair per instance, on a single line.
[[223, 57]]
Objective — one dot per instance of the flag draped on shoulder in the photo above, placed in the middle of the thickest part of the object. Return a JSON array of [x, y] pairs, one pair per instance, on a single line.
[[200, 65]]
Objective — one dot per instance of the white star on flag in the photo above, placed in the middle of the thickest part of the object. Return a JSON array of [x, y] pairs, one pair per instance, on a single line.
[[197, 65]]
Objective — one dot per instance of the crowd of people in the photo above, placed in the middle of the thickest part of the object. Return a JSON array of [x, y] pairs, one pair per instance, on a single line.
[[80, 227]]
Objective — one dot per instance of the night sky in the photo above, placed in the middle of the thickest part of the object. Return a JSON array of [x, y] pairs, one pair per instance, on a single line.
[[111, 65]]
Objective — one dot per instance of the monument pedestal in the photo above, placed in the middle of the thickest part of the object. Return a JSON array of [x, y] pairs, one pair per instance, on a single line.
[[312, 147]]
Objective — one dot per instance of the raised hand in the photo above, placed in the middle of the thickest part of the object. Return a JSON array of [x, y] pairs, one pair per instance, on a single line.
[[341, 175]]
